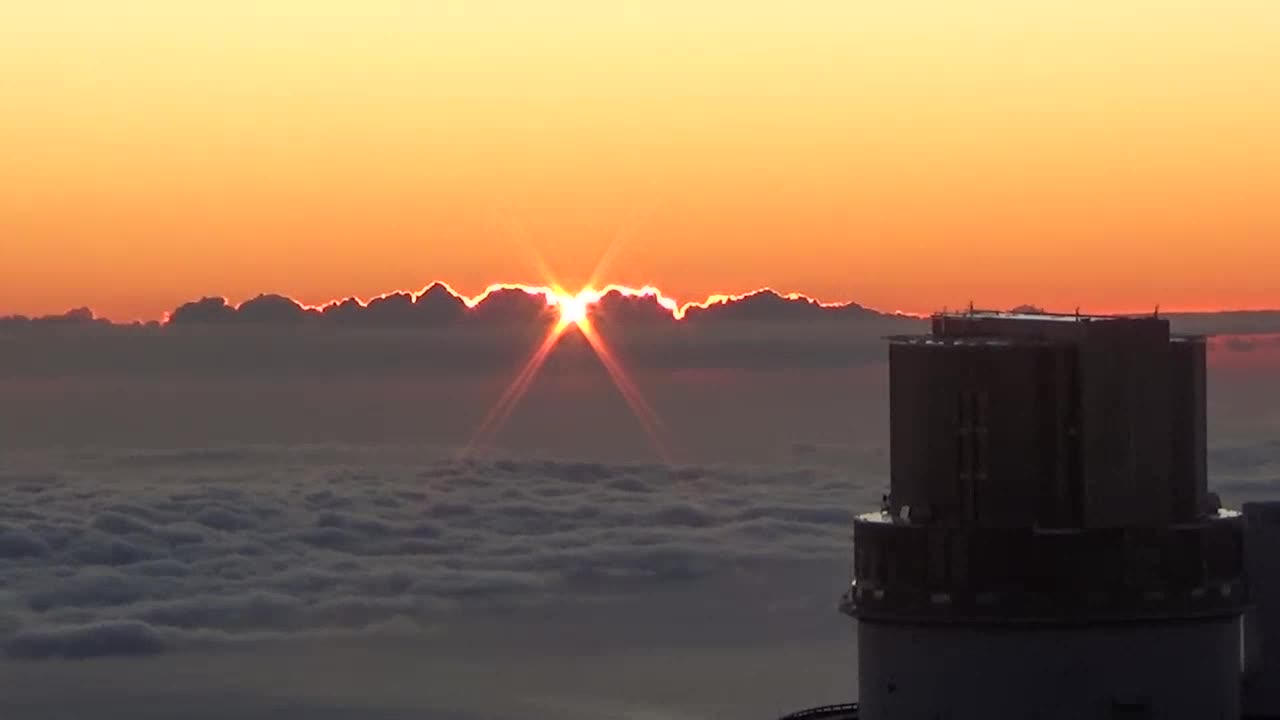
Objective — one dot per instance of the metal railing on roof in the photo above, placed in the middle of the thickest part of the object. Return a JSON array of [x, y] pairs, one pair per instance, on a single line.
[[845, 711]]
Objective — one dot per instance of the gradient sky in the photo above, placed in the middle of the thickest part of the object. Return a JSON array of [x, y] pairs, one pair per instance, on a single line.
[[907, 155]]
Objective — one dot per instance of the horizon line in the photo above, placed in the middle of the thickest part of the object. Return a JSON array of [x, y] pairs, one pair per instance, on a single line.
[[555, 296]]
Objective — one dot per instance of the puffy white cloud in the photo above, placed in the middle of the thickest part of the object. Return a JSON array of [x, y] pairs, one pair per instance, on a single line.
[[127, 553], [139, 553]]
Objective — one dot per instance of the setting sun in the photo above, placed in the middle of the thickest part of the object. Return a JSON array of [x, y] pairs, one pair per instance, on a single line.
[[573, 308]]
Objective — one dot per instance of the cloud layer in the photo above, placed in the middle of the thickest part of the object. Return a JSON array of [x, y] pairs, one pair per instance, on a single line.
[[501, 305], [438, 332], [141, 553], [138, 553], [438, 305]]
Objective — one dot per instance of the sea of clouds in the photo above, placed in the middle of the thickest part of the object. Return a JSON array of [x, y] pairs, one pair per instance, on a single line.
[[144, 552]]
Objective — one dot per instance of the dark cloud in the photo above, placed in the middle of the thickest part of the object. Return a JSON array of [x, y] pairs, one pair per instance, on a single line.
[[18, 542], [271, 310], [1241, 472], [616, 309], [205, 310], [85, 641], [91, 587], [511, 307], [1240, 344], [437, 306], [434, 332], [119, 524], [1242, 322], [1236, 460], [79, 318], [768, 306], [1246, 343]]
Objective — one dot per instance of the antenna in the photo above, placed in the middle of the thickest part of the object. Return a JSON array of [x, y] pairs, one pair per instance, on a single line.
[[1157, 309]]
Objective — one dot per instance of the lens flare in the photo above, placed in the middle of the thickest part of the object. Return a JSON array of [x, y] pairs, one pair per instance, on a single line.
[[502, 409], [645, 414], [574, 312]]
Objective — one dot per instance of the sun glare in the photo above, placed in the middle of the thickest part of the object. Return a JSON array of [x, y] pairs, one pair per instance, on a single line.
[[574, 308], [575, 311]]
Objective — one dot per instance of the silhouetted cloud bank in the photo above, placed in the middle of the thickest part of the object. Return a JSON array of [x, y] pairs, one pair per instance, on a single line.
[[438, 330], [439, 306]]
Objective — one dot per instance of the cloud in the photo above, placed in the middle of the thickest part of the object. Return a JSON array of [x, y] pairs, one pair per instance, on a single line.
[[1245, 343], [85, 641], [436, 306], [1243, 459], [1240, 322], [82, 318], [503, 306], [111, 556], [770, 306], [122, 557], [18, 542], [438, 331], [204, 310]]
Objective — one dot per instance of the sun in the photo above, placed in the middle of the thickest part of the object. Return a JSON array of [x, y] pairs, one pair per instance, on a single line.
[[574, 309]]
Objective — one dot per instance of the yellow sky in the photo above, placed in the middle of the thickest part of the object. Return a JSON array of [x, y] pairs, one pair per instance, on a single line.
[[906, 155]]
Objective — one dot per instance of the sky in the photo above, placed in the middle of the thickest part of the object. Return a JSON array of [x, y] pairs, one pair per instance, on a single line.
[[908, 156], [355, 521]]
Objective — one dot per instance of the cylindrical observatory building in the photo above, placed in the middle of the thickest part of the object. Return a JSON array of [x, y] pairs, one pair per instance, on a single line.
[[1048, 547]]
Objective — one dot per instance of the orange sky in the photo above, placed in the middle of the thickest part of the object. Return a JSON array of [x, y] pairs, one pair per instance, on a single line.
[[906, 155]]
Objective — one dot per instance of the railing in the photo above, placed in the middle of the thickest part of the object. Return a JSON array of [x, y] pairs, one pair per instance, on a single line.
[[846, 711], [849, 711]]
